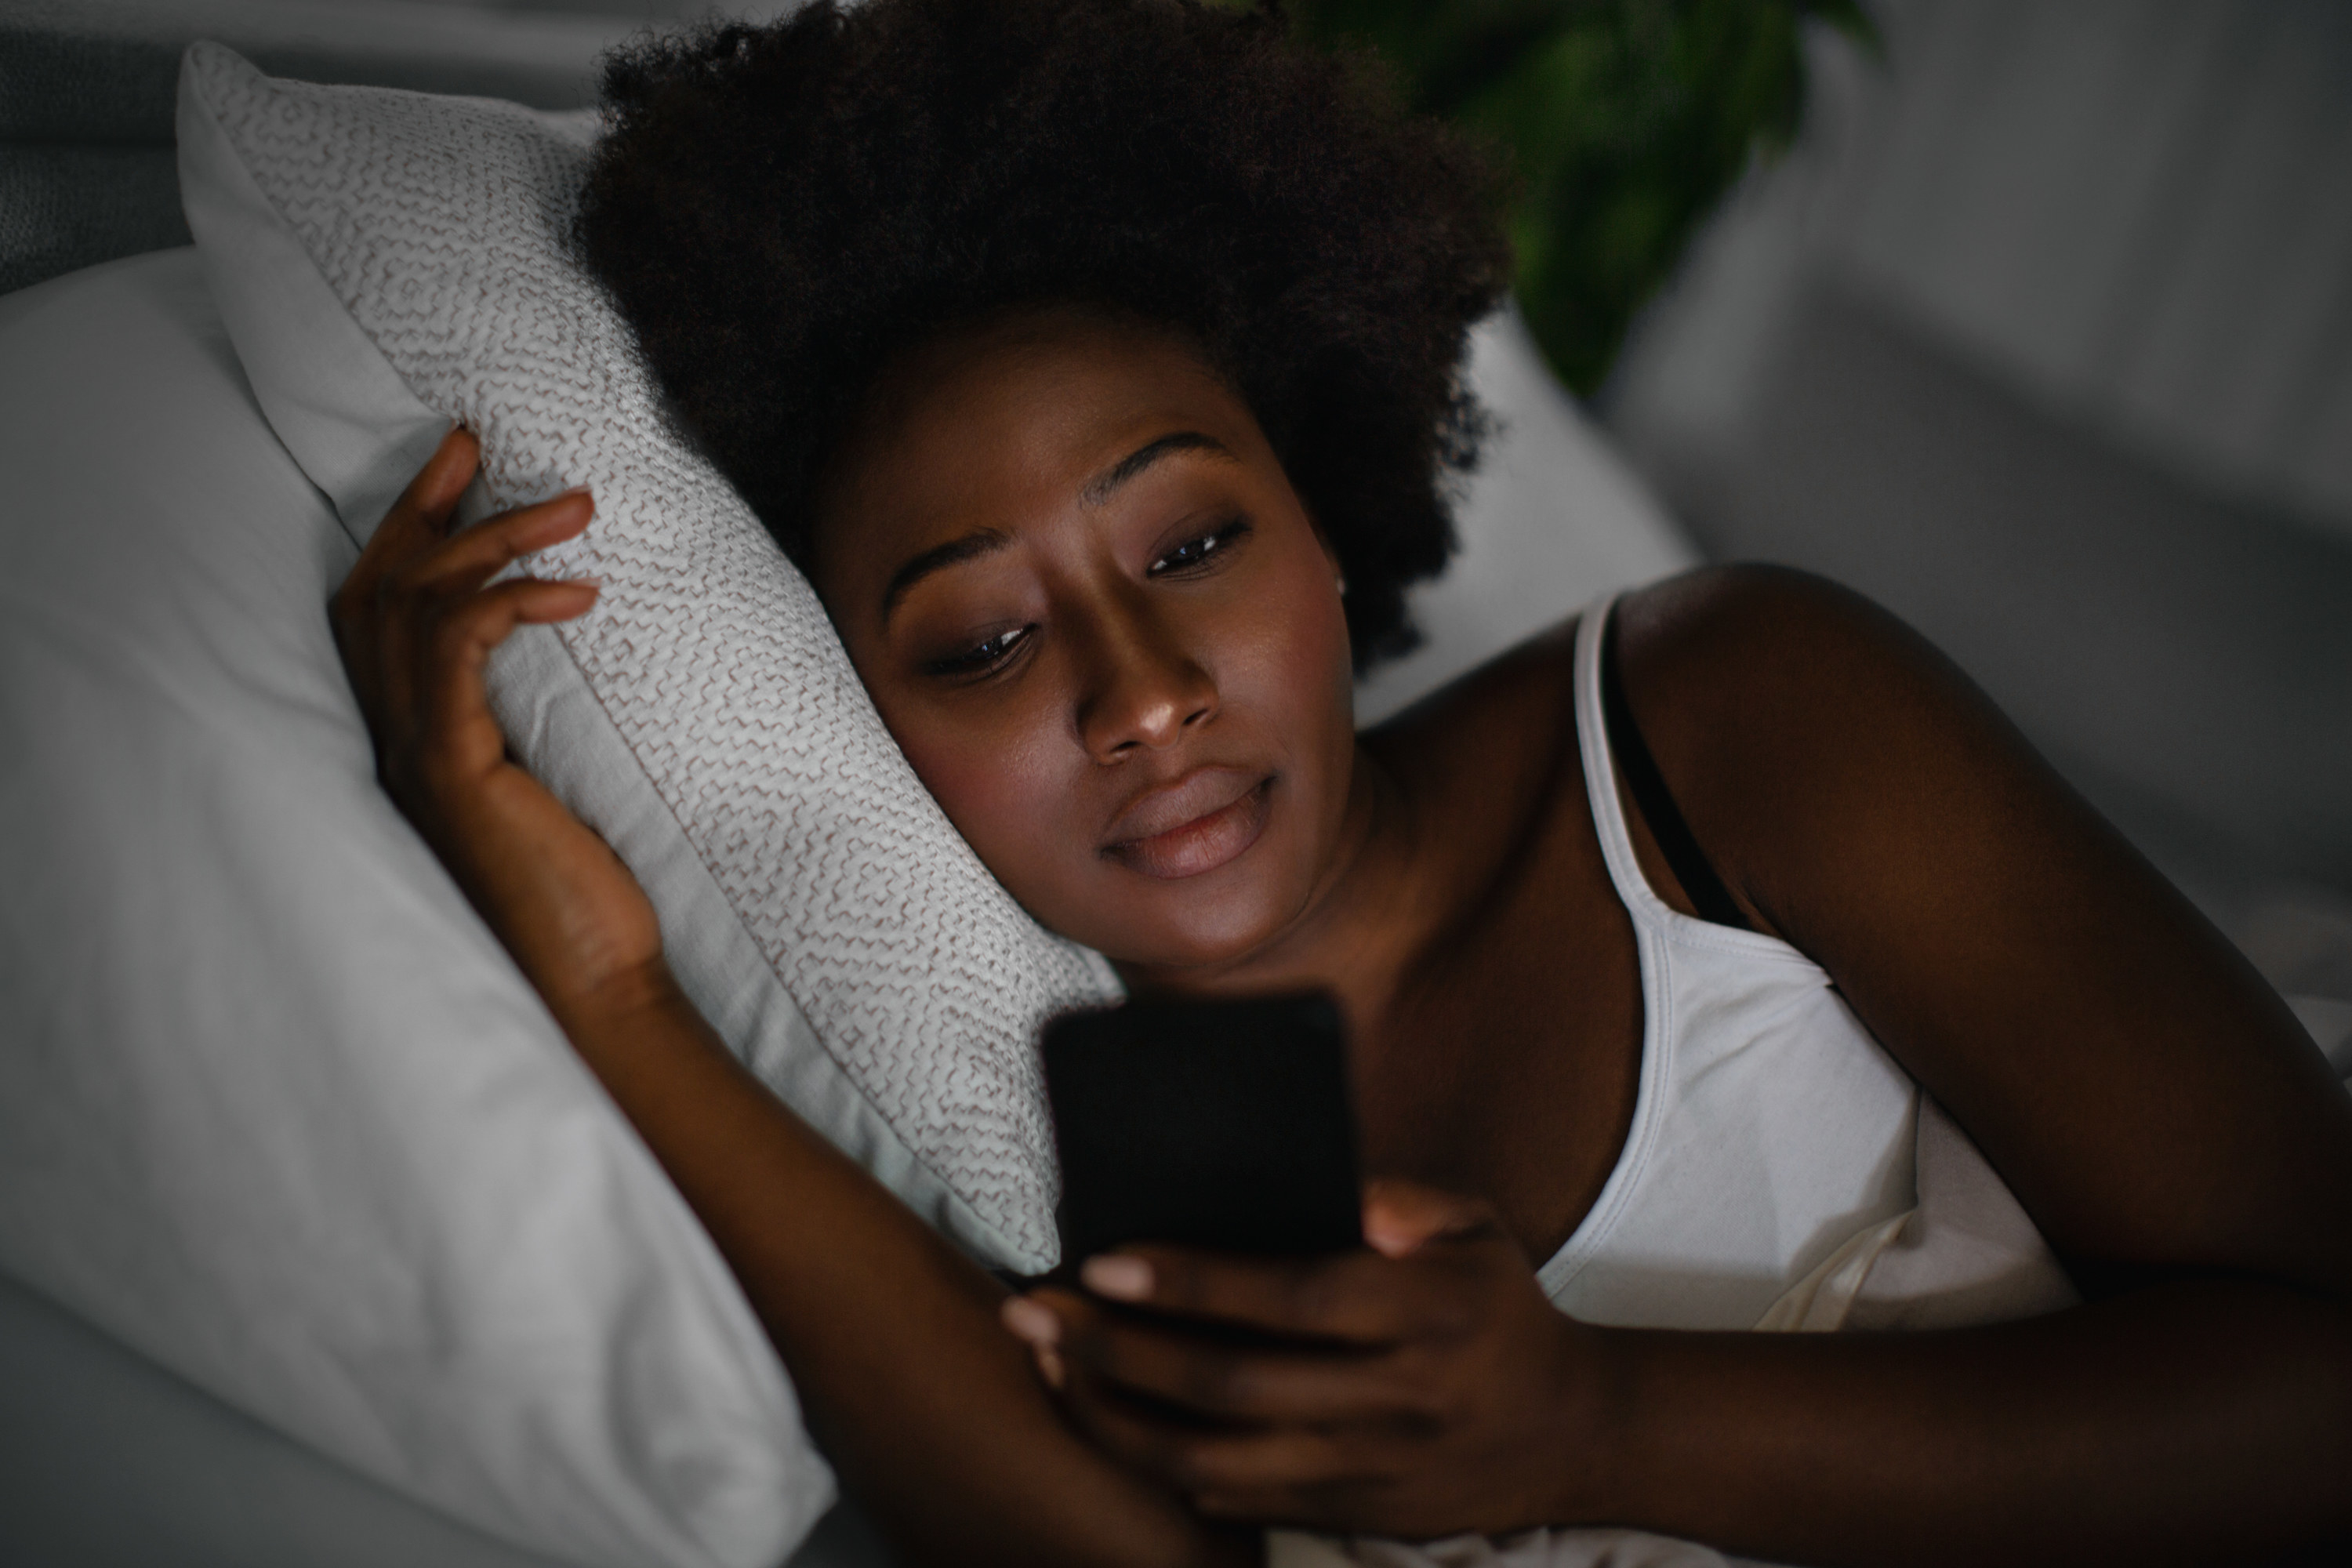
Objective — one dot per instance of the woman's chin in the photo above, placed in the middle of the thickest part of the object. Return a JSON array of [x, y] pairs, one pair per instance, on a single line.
[[1204, 925]]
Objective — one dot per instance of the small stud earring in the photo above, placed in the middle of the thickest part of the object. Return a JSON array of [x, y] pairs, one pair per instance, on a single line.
[[1343, 587]]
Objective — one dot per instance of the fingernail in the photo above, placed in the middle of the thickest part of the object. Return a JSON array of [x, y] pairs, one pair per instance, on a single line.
[[1120, 1278], [1385, 1234], [1049, 1366], [1033, 1322]]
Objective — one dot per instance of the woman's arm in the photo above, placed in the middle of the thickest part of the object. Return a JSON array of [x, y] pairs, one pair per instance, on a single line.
[[928, 1410], [2153, 1105]]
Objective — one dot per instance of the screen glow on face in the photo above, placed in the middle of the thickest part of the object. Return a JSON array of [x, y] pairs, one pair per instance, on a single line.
[[1103, 628]]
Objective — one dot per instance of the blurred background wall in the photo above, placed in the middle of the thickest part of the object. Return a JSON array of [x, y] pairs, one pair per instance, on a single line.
[[87, 92], [2042, 333]]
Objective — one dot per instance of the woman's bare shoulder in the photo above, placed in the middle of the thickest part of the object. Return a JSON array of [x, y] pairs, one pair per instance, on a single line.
[[1778, 704], [1519, 705]]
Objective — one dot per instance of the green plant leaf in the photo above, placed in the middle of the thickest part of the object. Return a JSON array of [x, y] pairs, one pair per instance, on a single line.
[[1625, 123]]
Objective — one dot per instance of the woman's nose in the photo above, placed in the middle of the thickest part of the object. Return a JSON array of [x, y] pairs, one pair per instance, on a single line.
[[1143, 689]]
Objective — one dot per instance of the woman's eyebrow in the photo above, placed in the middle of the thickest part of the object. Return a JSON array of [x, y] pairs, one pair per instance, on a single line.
[[1094, 491], [954, 552], [1101, 488]]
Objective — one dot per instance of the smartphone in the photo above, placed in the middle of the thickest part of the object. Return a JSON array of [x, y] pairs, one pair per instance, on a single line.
[[1223, 1124]]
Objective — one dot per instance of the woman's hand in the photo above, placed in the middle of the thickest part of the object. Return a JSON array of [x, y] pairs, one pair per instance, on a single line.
[[416, 622], [1420, 1388]]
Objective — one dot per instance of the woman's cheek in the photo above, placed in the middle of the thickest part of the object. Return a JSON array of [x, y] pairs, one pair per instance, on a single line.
[[1307, 674], [1002, 787]]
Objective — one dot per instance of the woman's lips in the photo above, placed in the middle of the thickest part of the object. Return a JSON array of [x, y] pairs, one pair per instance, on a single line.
[[1194, 825]]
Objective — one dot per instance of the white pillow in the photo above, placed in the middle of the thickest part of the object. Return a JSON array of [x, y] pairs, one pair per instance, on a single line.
[[1552, 519], [274, 1107], [387, 261]]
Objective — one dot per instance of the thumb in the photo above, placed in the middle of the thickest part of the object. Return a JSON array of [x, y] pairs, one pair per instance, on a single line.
[[1400, 1217]]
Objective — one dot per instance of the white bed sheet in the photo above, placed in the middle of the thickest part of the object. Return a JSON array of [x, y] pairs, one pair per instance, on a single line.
[[108, 1461]]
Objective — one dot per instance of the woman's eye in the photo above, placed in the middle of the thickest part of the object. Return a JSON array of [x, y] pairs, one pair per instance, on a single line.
[[982, 657], [1195, 554]]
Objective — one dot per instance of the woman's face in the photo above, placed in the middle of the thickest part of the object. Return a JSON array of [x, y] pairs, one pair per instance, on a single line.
[[1103, 629]]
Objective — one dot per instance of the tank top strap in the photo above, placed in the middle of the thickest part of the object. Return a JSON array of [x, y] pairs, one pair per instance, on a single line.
[[1649, 911], [1601, 769]]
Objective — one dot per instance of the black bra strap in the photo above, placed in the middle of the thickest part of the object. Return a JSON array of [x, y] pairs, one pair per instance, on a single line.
[[1708, 894]]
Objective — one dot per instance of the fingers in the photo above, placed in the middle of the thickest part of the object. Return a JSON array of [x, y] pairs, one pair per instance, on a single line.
[[422, 513], [430, 501], [1035, 1325], [411, 622], [1360, 1298], [480, 553], [1379, 1392], [1400, 1217], [457, 714], [411, 550], [429, 710], [1296, 1471], [1227, 1380], [445, 569], [1383, 1394]]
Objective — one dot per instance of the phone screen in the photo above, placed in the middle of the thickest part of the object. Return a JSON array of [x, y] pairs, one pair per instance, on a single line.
[[1223, 1124]]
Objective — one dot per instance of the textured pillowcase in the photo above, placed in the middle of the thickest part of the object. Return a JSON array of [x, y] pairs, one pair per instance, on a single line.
[[388, 261]]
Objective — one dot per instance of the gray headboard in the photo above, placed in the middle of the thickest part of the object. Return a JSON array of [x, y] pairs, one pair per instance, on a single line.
[[86, 92]]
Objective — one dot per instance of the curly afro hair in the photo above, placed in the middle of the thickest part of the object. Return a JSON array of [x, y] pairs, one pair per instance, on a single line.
[[778, 210]]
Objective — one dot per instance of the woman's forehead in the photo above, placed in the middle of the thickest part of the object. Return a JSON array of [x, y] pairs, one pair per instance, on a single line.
[[1029, 415], [1036, 363]]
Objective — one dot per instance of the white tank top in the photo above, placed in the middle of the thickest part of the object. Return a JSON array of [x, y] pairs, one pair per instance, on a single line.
[[1781, 1171], [1769, 1128]]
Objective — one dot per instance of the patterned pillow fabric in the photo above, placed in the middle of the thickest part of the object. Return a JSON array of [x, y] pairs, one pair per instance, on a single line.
[[387, 262]]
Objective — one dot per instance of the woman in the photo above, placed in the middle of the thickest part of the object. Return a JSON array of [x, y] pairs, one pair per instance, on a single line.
[[1097, 359]]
